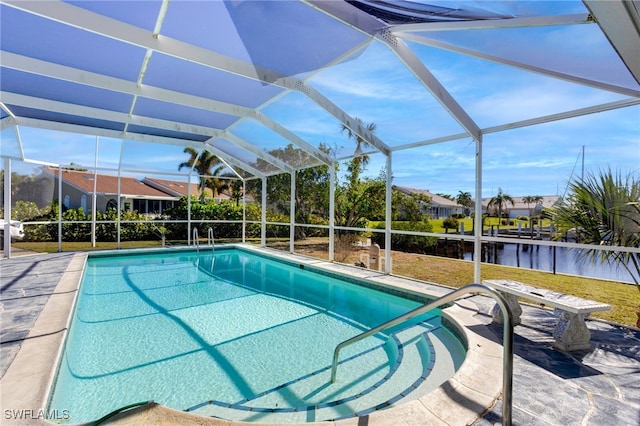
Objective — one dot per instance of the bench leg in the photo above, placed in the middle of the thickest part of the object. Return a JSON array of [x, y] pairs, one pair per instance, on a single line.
[[512, 304], [571, 332]]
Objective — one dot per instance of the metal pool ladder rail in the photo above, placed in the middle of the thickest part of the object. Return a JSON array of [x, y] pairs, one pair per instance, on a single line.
[[196, 242], [210, 240], [507, 357]]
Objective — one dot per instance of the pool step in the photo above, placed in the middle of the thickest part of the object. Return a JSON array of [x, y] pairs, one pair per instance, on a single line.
[[372, 391]]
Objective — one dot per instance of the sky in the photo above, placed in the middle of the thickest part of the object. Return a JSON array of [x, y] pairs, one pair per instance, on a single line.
[[375, 87]]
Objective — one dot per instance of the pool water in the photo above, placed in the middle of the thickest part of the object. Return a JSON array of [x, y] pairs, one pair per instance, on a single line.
[[236, 335]]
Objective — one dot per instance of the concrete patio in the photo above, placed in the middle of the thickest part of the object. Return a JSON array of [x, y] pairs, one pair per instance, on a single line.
[[596, 387]]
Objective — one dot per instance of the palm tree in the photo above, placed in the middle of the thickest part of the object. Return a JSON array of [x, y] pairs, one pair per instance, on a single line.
[[531, 199], [360, 161], [500, 201], [464, 199], [604, 210], [204, 163]]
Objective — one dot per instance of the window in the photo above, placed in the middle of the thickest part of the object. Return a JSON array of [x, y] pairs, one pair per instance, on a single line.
[[111, 204], [67, 201], [83, 203]]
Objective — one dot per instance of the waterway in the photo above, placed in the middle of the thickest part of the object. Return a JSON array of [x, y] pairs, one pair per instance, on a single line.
[[565, 261]]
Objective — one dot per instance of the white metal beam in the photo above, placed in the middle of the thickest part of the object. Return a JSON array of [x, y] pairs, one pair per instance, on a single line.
[[564, 115], [80, 18], [102, 114], [61, 72], [517, 64], [415, 65], [341, 116], [233, 161], [292, 137], [526, 123], [477, 216], [116, 134], [620, 22], [96, 113], [6, 245], [533, 21], [257, 151], [7, 122]]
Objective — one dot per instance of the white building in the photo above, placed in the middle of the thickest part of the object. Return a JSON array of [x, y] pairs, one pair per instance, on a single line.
[[439, 207]]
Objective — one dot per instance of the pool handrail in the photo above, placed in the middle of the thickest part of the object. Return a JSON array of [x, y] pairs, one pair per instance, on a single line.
[[210, 240], [507, 357], [196, 241]]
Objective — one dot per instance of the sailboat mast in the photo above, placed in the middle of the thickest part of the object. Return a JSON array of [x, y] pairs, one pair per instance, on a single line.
[[582, 175]]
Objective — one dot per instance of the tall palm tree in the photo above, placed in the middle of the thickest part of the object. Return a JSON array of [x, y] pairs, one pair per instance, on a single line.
[[500, 202], [360, 161], [604, 210], [464, 199], [207, 165], [531, 199]]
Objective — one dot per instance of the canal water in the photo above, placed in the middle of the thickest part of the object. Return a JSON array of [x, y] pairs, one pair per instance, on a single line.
[[565, 261]]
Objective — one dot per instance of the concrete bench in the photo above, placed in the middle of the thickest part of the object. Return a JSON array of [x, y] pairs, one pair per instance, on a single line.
[[571, 332]]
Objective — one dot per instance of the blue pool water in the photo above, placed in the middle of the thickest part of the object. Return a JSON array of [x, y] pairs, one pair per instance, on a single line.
[[239, 336]]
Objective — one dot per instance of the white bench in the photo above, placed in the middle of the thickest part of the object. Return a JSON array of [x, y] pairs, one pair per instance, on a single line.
[[571, 332]]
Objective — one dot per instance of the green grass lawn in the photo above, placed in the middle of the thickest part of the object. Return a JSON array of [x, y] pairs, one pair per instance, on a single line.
[[624, 298]]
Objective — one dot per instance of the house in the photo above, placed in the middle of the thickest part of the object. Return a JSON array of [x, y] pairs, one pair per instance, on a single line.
[[180, 189], [78, 187], [148, 196], [521, 208], [438, 207]]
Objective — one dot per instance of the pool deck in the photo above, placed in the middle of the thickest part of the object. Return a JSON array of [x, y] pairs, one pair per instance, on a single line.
[[596, 387]]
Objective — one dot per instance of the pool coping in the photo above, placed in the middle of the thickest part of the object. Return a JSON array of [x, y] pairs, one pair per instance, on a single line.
[[462, 399]]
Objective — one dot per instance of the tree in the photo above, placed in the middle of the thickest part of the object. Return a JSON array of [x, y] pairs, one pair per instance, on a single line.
[[207, 165], [604, 210], [464, 199], [531, 199], [237, 191], [357, 200], [359, 162], [500, 202], [408, 207], [312, 187]]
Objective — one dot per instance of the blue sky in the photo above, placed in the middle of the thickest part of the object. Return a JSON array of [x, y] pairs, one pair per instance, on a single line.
[[374, 86]]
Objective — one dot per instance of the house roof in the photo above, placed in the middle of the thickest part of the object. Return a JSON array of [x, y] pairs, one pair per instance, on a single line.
[[108, 184], [177, 188], [222, 76], [436, 200], [519, 203]]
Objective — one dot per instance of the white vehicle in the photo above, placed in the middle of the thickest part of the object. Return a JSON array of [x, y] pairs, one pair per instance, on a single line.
[[16, 227]]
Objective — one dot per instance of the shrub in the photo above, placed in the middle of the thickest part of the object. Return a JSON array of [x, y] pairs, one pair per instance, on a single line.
[[450, 223], [407, 243]]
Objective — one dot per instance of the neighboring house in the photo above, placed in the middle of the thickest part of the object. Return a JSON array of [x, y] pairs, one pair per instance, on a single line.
[[78, 186], [520, 208], [148, 196], [438, 207], [181, 189]]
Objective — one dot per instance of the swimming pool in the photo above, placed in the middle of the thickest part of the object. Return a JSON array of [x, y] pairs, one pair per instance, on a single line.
[[236, 335]]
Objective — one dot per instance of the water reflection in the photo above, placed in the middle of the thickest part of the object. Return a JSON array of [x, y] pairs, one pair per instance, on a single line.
[[563, 261]]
